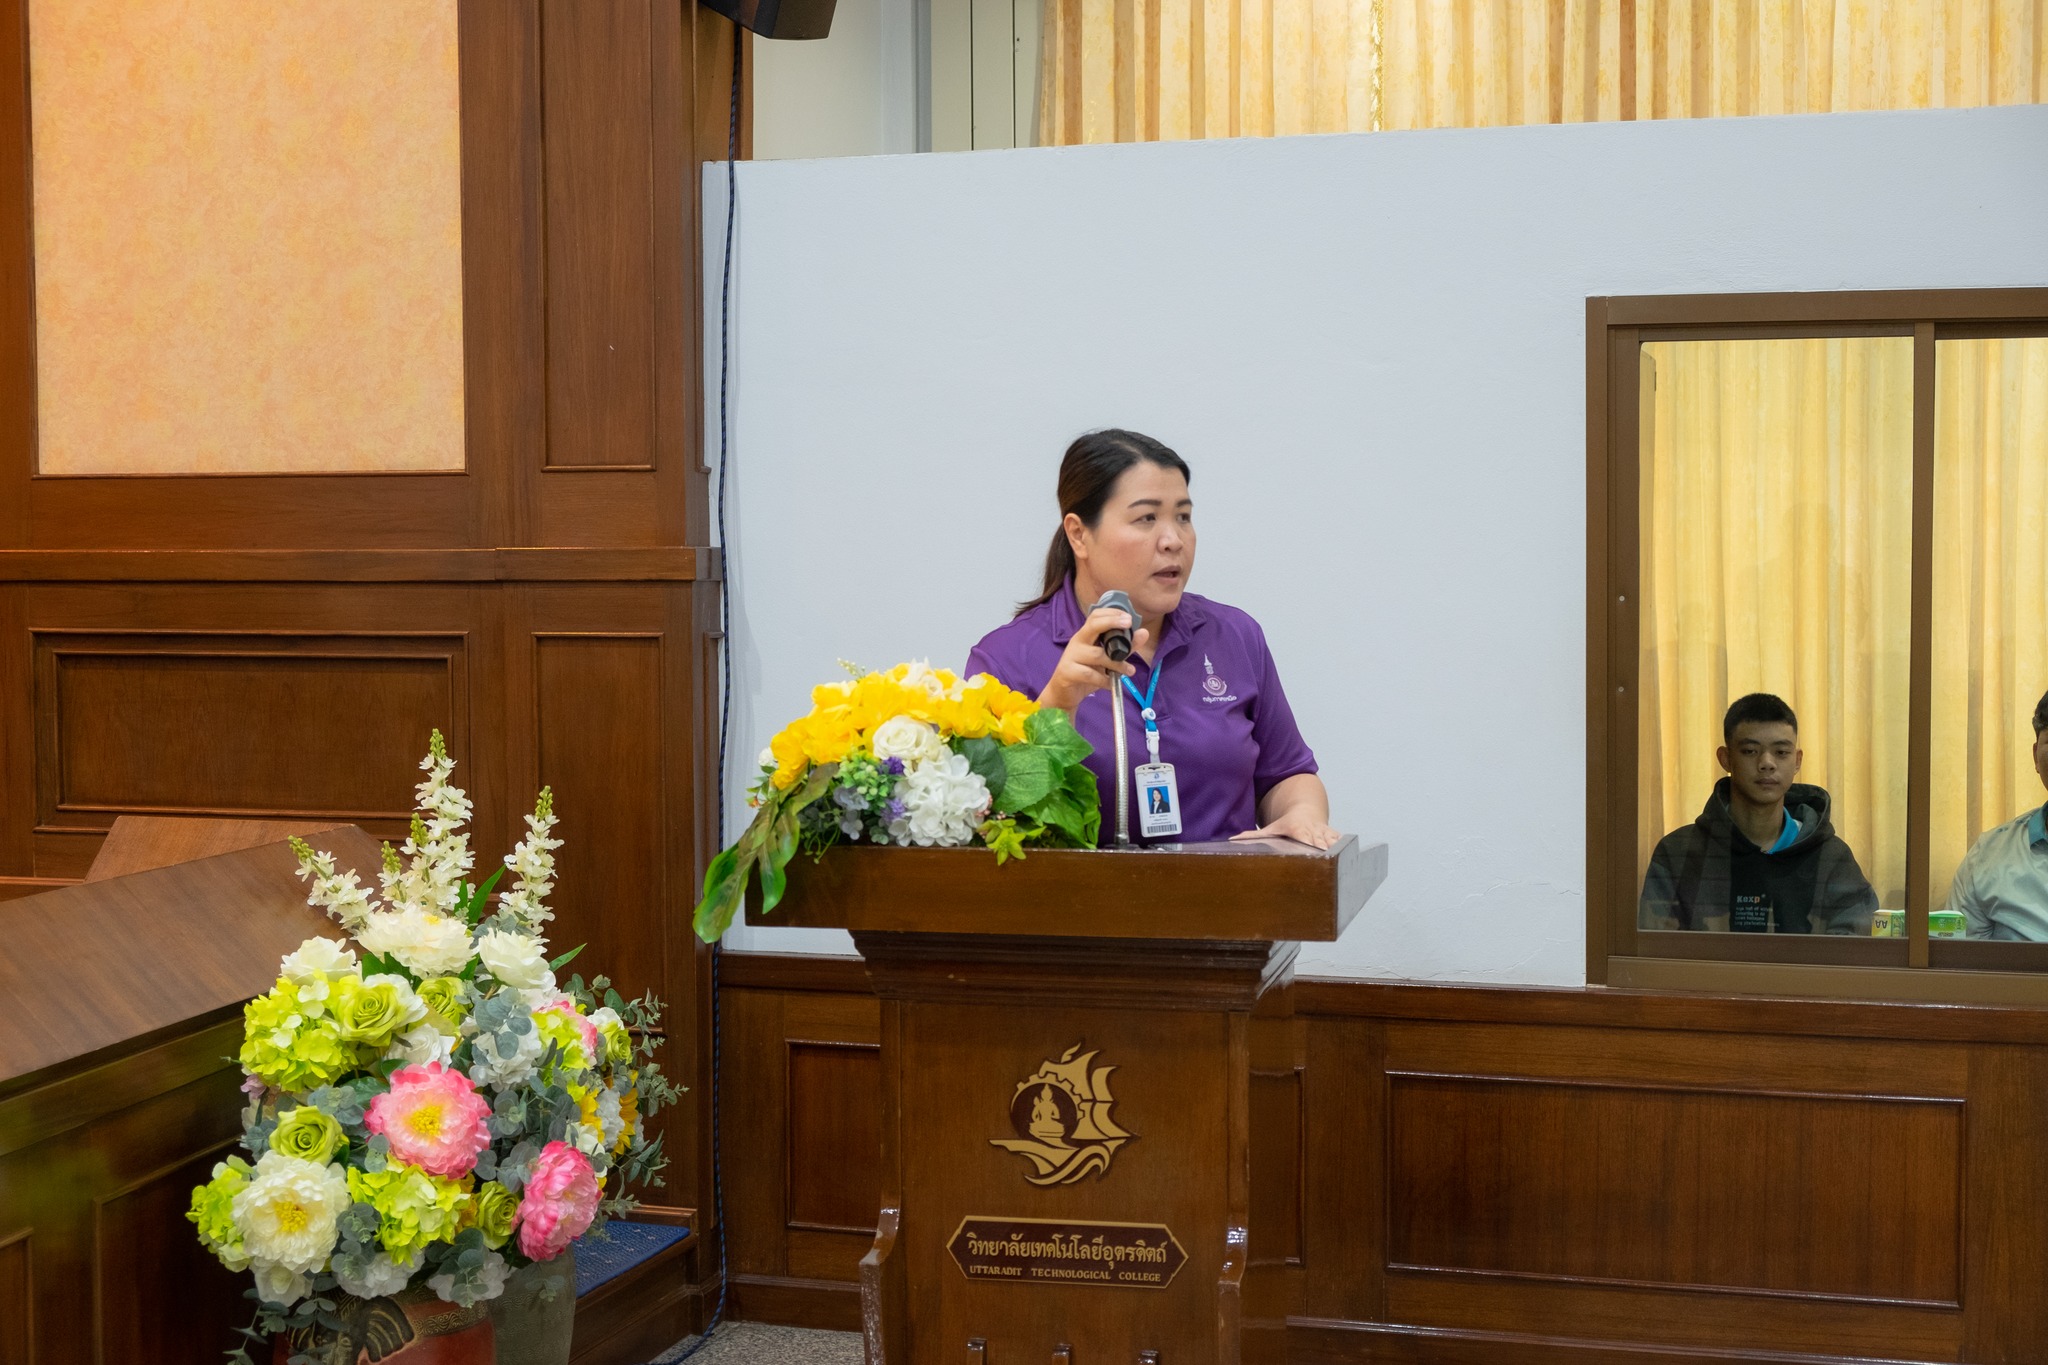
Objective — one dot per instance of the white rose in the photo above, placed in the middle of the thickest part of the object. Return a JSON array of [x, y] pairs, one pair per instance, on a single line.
[[909, 739], [278, 1285], [515, 959], [317, 956], [419, 1045]]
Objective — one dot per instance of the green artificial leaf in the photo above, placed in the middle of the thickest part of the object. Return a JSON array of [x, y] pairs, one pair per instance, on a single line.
[[985, 756], [1060, 811], [1028, 774], [1079, 788], [725, 883], [1048, 728], [478, 895], [566, 958], [775, 863]]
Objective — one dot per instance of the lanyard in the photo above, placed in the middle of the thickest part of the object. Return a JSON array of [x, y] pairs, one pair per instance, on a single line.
[[1145, 710]]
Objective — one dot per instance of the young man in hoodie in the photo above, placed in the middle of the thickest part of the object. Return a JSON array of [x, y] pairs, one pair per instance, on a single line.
[[2002, 886], [1762, 857]]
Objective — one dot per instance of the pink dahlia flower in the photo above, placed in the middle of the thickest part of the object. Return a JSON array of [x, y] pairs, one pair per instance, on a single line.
[[560, 1200], [433, 1118]]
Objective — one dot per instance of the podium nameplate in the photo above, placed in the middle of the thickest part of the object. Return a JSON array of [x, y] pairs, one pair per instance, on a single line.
[[1038, 1251]]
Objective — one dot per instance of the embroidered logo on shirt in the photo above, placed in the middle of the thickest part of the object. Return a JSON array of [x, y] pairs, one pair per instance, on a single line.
[[1212, 684]]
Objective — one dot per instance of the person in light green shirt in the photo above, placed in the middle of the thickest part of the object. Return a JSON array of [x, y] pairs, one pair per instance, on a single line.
[[2002, 886]]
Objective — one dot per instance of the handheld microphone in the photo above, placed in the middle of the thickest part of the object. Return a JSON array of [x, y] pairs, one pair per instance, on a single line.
[[1116, 643]]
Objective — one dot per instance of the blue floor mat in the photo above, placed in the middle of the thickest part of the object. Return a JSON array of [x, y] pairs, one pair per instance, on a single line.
[[623, 1246]]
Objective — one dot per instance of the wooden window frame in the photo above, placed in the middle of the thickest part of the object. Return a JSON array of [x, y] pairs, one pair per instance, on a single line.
[[1617, 953]]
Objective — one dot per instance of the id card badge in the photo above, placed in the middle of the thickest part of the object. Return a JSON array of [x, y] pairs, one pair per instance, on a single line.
[[1158, 801]]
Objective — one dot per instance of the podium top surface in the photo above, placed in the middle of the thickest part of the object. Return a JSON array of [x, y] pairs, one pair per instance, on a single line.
[[92, 966], [1265, 889]]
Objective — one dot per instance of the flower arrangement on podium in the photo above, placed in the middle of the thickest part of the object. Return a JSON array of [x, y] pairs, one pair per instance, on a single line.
[[429, 1109], [911, 755]]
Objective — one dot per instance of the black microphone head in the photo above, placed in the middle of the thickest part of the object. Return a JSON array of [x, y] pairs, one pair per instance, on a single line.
[[1115, 643]]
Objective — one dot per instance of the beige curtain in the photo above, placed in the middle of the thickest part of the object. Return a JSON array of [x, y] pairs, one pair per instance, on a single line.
[[1141, 70], [1777, 495], [1153, 70], [1990, 588]]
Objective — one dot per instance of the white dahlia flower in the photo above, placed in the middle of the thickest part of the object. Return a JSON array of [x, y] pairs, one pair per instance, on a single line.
[[287, 1214], [429, 944]]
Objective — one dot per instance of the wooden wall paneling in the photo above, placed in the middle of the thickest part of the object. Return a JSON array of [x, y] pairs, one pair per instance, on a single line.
[[17, 1299], [756, 1128], [600, 144], [245, 699], [17, 725], [1805, 1195], [803, 1161], [1344, 1118], [833, 1141], [598, 738], [691, 1038], [2006, 1190], [605, 677], [1720, 1327], [690, 701], [598, 140], [503, 287], [159, 724]]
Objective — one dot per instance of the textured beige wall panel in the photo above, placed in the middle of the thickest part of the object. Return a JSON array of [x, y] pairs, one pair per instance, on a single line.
[[248, 235]]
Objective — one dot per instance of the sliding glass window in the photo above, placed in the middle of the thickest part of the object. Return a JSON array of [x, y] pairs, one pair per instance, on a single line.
[[1819, 578]]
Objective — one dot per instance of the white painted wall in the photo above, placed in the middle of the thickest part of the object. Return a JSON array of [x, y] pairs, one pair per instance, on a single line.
[[1371, 350], [851, 93]]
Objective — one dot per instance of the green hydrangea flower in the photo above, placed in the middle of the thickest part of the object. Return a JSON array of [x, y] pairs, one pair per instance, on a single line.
[[308, 1134], [367, 1013], [414, 1209], [442, 995], [557, 1027], [495, 1210], [213, 1210], [288, 1047]]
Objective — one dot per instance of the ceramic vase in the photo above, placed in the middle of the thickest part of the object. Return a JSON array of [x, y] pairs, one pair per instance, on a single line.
[[536, 1315], [414, 1327]]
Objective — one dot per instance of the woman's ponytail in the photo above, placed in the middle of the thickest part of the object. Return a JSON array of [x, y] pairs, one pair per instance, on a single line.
[[1088, 475]]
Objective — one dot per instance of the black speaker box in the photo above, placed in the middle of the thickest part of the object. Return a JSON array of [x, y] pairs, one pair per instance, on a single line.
[[778, 18]]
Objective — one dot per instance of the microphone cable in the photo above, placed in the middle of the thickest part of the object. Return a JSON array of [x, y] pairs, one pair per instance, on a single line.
[[732, 157]]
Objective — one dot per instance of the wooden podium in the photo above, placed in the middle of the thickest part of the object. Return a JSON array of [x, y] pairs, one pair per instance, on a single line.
[[1067, 1045]]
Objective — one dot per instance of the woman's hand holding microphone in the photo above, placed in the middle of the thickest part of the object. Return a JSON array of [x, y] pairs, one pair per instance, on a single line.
[[1084, 667]]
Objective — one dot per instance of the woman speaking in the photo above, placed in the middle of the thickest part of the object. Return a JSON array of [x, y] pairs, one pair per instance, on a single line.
[[1223, 758]]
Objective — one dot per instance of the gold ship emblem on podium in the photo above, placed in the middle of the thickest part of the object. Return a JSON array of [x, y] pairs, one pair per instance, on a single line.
[[1061, 1114]]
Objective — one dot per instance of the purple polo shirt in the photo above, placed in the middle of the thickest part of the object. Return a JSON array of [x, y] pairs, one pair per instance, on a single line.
[[1224, 723]]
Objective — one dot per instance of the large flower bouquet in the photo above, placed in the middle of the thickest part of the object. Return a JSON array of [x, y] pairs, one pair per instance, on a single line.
[[914, 755], [426, 1104]]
